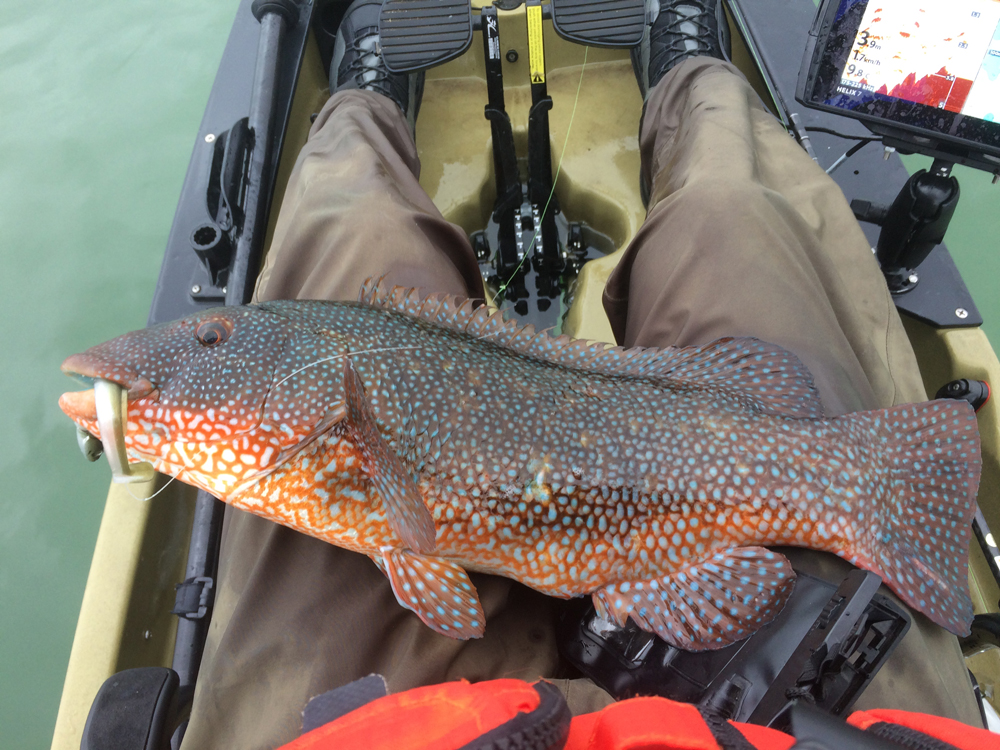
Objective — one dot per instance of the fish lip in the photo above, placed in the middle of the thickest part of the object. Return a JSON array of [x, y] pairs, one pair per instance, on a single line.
[[89, 369], [106, 404]]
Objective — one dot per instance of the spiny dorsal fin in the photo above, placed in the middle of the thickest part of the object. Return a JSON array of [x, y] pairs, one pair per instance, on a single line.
[[771, 379]]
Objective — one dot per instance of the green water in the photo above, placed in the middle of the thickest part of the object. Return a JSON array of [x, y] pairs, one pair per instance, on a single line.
[[99, 107]]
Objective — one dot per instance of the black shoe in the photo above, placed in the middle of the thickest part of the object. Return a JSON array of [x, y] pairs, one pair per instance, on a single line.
[[357, 61], [675, 31]]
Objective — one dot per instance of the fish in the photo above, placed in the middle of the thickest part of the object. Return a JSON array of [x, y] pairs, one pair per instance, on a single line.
[[437, 438]]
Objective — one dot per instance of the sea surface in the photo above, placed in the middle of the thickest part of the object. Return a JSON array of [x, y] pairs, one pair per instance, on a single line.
[[99, 107]]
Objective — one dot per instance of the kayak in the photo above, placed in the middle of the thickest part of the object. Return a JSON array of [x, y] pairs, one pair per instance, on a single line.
[[144, 546]]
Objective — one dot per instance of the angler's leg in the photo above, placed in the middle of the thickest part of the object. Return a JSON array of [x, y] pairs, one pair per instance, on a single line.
[[354, 209], [747, 236], [295, 616]]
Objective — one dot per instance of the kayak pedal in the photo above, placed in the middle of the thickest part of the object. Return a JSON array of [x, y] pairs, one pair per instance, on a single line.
[[600, 23], [419, 34]]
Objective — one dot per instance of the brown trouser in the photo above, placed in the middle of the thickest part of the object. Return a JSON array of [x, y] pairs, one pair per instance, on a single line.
[[745, 235]]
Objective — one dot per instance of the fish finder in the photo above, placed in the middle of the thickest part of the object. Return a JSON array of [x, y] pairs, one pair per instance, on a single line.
[[923, 74]]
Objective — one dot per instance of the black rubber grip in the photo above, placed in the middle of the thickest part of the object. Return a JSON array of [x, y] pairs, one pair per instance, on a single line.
[[419, 34], [600, 23]]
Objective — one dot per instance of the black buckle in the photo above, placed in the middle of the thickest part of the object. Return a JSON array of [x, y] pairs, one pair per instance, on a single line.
[[194, 597], [839, 656]]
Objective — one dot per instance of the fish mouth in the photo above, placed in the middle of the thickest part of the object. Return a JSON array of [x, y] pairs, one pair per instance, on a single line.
[[90, 369], [106, 408]]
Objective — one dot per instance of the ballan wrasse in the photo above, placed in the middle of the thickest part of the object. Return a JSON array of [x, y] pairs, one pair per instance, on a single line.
[[437, 438]]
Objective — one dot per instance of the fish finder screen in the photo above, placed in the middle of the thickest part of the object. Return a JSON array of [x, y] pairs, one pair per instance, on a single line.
[[926, 65], [942, 54]]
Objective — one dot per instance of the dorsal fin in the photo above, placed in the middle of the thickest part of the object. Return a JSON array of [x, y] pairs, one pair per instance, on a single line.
[[771, 379]]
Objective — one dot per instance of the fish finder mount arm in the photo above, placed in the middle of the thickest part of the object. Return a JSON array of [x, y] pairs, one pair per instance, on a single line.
[[914, 224]]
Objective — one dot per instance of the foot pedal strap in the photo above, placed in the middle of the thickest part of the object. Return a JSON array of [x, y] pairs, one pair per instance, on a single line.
[[600, 23], [419, 34]]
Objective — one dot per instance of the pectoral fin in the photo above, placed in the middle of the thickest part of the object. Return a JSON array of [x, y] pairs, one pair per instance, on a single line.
[[438, 591], [405, 509], [707, 605]]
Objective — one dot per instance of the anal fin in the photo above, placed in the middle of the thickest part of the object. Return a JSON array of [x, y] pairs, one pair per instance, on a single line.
[[708, 604], [438, 591], [405, 509]]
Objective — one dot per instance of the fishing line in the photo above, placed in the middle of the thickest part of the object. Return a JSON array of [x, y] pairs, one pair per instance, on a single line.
[[555, 181], [147, 499], [345, 354]]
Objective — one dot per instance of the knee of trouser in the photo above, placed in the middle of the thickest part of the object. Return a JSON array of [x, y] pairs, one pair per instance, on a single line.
[[721, 206], [376, 219]]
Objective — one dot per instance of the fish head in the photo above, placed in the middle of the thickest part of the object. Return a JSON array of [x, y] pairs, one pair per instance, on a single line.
[[217, 399]]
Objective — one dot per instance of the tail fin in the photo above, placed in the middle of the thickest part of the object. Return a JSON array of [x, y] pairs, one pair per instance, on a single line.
[[920, 523]]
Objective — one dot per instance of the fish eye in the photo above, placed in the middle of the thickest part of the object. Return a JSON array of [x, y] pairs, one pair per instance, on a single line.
[[213, 331]]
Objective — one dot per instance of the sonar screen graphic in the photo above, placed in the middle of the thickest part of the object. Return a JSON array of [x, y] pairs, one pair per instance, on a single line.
[[942, 54]]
